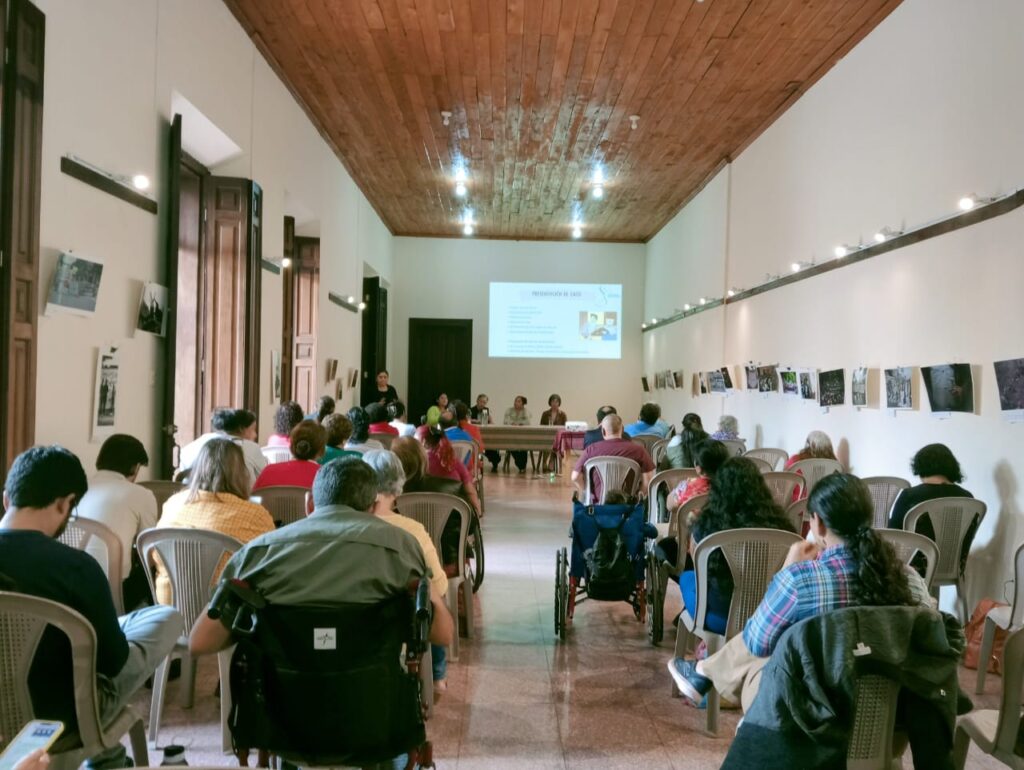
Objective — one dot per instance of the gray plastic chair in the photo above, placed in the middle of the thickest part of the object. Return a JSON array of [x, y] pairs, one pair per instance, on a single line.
[[649, 441], [762, 465], [162, 490], [276, 454], [774, 457], [884, 491], [385, 439], [23, 619], [737, 447], [952, 520], [995, 732], [814, 470], [670, 479], [432, 509], [284, 503], [1007, 618], [193, 558], [679, 526], [874, 720], [798, 514], [78, 534], [754, 555], [909, 544], [469, 454], [614, 473], [658, 451], [782, 485]]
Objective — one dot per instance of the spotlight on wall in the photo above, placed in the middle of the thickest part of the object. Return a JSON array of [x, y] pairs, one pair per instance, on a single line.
[[686, 307], [361, 306], [654, 320], [351, 299], [841, 250], [733, 291], [967, 202], [703, 300], [286, 262], [796, 267], [643, 325], [885, 234], [140, 182]]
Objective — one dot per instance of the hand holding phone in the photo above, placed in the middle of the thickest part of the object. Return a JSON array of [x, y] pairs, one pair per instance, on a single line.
[[28, 749]]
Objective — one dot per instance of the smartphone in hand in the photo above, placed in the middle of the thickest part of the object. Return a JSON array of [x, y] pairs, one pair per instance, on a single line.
[[37, 734]]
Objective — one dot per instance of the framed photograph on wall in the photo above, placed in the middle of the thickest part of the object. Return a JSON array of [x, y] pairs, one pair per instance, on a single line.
[[950, 387], [899, 388], [275, 376], [76, 285], [104, 410]]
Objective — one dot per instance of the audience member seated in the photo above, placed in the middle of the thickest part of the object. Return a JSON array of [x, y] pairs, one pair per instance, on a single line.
[[125, 508], [680, 452], [337, 429], [324, 407], [288, 415], [517, 414], [461, 412], [42, 489], [413, 457], [728, 429], [613, 444], [378, 416], [339, 554], [855, 568], [455, 432], [940, 476], [217, 499], [307, 445], [594, 435], [238, 425], [818, 445], [360, 440], [390, 484], [441, 461], [649, 422], [710, 456], [385, 394], [399, 422]]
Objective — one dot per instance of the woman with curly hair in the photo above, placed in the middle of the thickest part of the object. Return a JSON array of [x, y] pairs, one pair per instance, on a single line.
[[288, 415], [849, 565]]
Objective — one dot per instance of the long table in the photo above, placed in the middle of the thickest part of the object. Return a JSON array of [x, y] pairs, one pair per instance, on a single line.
[[520, 438]]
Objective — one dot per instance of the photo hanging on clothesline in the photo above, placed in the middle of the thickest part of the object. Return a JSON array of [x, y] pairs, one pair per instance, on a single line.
[[752, 381], [1010, 383], [832, 388], [727, 377], [899, 392], [153, 309], [105, 396], [950, 387], [790, 383], [768, 379], [716, 382], [808, 384]]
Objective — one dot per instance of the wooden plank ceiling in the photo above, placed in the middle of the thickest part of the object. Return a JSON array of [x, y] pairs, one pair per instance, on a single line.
[[540, 92]]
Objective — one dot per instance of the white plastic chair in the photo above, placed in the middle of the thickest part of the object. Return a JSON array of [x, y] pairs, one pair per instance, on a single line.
[[884, 491], [762, 465], [814, 470], [614, 473], [783, 486], [797, 512], [908, 544], [23, 619], [774, 457], [79, 532], [670, 479], [192, 558], [952, 520], [162, 490], [995, 732], [1008, 618], [737, 447], [658, 451], [754, 555], [284, 503], [276, 454], [432, 509], [469, 454], [649, 441]]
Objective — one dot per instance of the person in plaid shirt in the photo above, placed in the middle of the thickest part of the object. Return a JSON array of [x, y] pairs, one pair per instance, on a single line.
[[847, 565]]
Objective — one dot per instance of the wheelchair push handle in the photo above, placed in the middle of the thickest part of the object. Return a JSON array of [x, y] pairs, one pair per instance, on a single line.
[[422, 615], [234, 604]]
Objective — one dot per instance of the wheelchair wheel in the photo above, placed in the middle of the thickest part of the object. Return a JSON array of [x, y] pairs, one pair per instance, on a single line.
[[475, 554], [655, 601], [561, 592]]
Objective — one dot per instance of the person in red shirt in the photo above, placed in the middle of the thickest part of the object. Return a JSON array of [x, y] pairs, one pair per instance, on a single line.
[[442, 462], [462, 416], [380, 420], [709, 456], [307, 444], [612, 445]]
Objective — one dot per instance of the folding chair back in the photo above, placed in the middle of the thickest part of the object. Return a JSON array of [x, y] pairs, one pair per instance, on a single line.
[[657, 513], [908, 544], [385, 439], [782, 485], [874, 719], [615, 473], [952, 519], [284, 503], [79, 534], [884, 491], [737, 447], [680, 527], [762, 465], [649, 441], [465, 451], [276, 454], [798, 514], [814, 470], [658, 450], [162, 490], [774, 457]]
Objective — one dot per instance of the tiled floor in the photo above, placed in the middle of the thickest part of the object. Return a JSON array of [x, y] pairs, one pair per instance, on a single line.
[[520, 698]]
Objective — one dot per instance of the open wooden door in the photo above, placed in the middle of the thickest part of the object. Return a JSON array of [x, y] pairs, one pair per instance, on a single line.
[[168, 426], [305, 314], [287, 309], [23, 31]]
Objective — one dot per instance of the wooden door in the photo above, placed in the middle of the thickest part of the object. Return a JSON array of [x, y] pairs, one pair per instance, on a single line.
[[287, 310], [23, 30], [440, 359], [375, 337], [305, 319], [231, 283]]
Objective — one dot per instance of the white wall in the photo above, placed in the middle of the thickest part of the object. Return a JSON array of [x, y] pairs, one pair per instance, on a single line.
[[449, 278], [107, 96], [921, 112]]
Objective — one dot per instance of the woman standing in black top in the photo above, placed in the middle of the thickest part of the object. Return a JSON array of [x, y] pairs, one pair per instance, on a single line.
[[385, 393]]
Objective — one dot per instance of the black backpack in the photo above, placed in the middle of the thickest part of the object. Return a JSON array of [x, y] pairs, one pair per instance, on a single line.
[[611, 574]]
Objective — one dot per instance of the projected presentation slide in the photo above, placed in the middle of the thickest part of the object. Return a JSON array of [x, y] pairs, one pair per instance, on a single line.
[[555, 320]]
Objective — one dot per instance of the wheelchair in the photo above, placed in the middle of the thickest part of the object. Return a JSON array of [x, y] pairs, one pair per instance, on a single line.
[[572, 573], [326, 686]]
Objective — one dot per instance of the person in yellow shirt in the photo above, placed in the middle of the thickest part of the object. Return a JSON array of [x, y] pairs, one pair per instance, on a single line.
[[217, 499]]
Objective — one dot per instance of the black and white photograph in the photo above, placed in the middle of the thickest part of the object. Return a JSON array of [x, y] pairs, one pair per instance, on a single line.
[[809, 385], [950, 387], [703, 379], [659, 380], [727, 377], [790, 384], [859, 386], [898, 388], [832, 387], [716, 382], [76, 285], [670, 380], [768, 379], [1010, 383], [153, 309], [275, 376], [105, 397], [751, 372], [678, 377]]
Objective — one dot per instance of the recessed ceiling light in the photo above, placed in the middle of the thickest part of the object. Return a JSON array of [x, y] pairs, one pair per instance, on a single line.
[[467, 229], [597, 191], [460, 190], [577, 232]]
